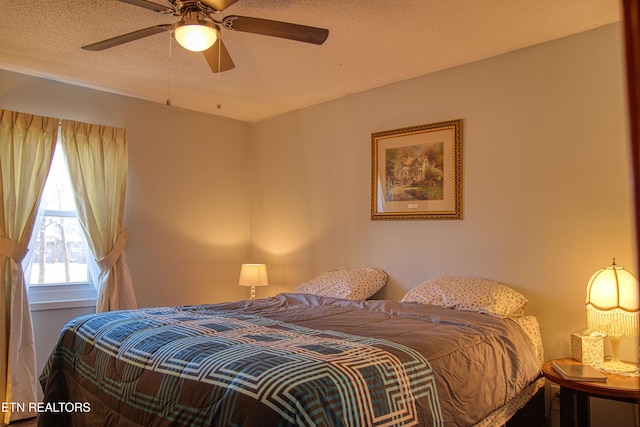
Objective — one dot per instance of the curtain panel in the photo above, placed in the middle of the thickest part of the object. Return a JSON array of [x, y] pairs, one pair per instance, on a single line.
[[26, 150], [98, 162]]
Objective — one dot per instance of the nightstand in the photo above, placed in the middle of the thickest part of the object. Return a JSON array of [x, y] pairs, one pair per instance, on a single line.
[[575, 394]]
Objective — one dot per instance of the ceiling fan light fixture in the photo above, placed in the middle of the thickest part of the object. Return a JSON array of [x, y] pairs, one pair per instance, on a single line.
[[195, 34]]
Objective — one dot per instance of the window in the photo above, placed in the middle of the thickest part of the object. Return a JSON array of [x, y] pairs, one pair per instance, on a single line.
[[58, 268]]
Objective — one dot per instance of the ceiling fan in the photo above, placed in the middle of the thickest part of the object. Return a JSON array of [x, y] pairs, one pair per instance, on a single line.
[[198, 25]]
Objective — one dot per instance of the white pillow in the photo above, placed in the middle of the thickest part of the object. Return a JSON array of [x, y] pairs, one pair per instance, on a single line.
[[469, 294], [355, 284]]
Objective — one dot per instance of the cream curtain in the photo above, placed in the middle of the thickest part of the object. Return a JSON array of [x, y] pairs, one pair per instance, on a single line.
[[26, 149], [97, 158]]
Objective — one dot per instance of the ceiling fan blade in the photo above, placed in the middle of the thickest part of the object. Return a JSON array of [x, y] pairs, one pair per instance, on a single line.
[[211, 55], [126, 38], [218, 5], [149, 5], [285, 30]]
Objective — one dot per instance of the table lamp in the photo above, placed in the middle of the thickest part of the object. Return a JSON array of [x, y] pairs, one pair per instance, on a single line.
[[253, 275], [612, 309]]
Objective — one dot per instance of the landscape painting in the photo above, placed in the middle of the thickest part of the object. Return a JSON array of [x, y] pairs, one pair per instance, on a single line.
[[415, 172]]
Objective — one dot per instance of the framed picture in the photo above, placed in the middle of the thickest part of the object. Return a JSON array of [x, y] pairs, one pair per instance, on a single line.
[[416, 172]]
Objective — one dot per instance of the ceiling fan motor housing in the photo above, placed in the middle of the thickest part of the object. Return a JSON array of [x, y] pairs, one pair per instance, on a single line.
[[184, 7]]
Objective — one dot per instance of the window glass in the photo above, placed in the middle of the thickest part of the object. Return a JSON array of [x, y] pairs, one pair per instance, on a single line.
[[59, 251]]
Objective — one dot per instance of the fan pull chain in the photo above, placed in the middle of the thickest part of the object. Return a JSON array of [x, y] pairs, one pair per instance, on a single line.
[[169, 73], [219, 105]]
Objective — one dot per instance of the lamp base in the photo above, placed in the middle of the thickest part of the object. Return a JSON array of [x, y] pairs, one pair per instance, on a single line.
[[616, 367]]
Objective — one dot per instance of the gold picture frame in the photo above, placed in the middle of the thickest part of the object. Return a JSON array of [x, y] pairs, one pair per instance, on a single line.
[[416, 172]]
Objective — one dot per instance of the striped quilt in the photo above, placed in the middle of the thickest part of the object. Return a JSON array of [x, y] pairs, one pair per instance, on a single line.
[[206, 366]]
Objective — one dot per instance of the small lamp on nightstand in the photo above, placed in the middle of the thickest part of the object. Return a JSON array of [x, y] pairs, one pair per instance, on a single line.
[[253, 275], [612, 308]]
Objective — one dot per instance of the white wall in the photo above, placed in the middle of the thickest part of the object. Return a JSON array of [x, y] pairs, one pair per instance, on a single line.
[[47, 325], [547, 180]]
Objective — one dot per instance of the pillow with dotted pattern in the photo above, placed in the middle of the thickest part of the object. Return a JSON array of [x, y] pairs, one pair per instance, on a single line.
[[354, 284], [469, 294]]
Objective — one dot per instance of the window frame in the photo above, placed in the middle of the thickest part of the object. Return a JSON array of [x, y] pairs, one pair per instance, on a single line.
[[48, 296]]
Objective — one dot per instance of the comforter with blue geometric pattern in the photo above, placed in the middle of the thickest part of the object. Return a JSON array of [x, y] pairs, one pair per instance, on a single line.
[[290, 360]]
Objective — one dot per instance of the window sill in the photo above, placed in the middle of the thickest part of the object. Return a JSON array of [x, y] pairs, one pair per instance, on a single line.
[[59, 305], [55, 297]]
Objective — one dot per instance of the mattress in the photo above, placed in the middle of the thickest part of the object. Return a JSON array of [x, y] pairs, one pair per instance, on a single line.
[[292, 360]]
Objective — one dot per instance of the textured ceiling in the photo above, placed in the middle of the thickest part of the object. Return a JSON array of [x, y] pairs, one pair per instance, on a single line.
[[371, 43]]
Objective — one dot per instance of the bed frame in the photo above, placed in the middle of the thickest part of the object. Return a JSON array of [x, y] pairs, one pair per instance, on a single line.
[[532, 414]]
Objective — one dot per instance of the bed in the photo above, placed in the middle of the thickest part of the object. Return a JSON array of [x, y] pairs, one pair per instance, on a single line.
[[296, 359]]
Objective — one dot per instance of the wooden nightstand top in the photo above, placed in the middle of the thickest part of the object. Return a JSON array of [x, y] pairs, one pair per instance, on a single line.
[[617, 386]]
